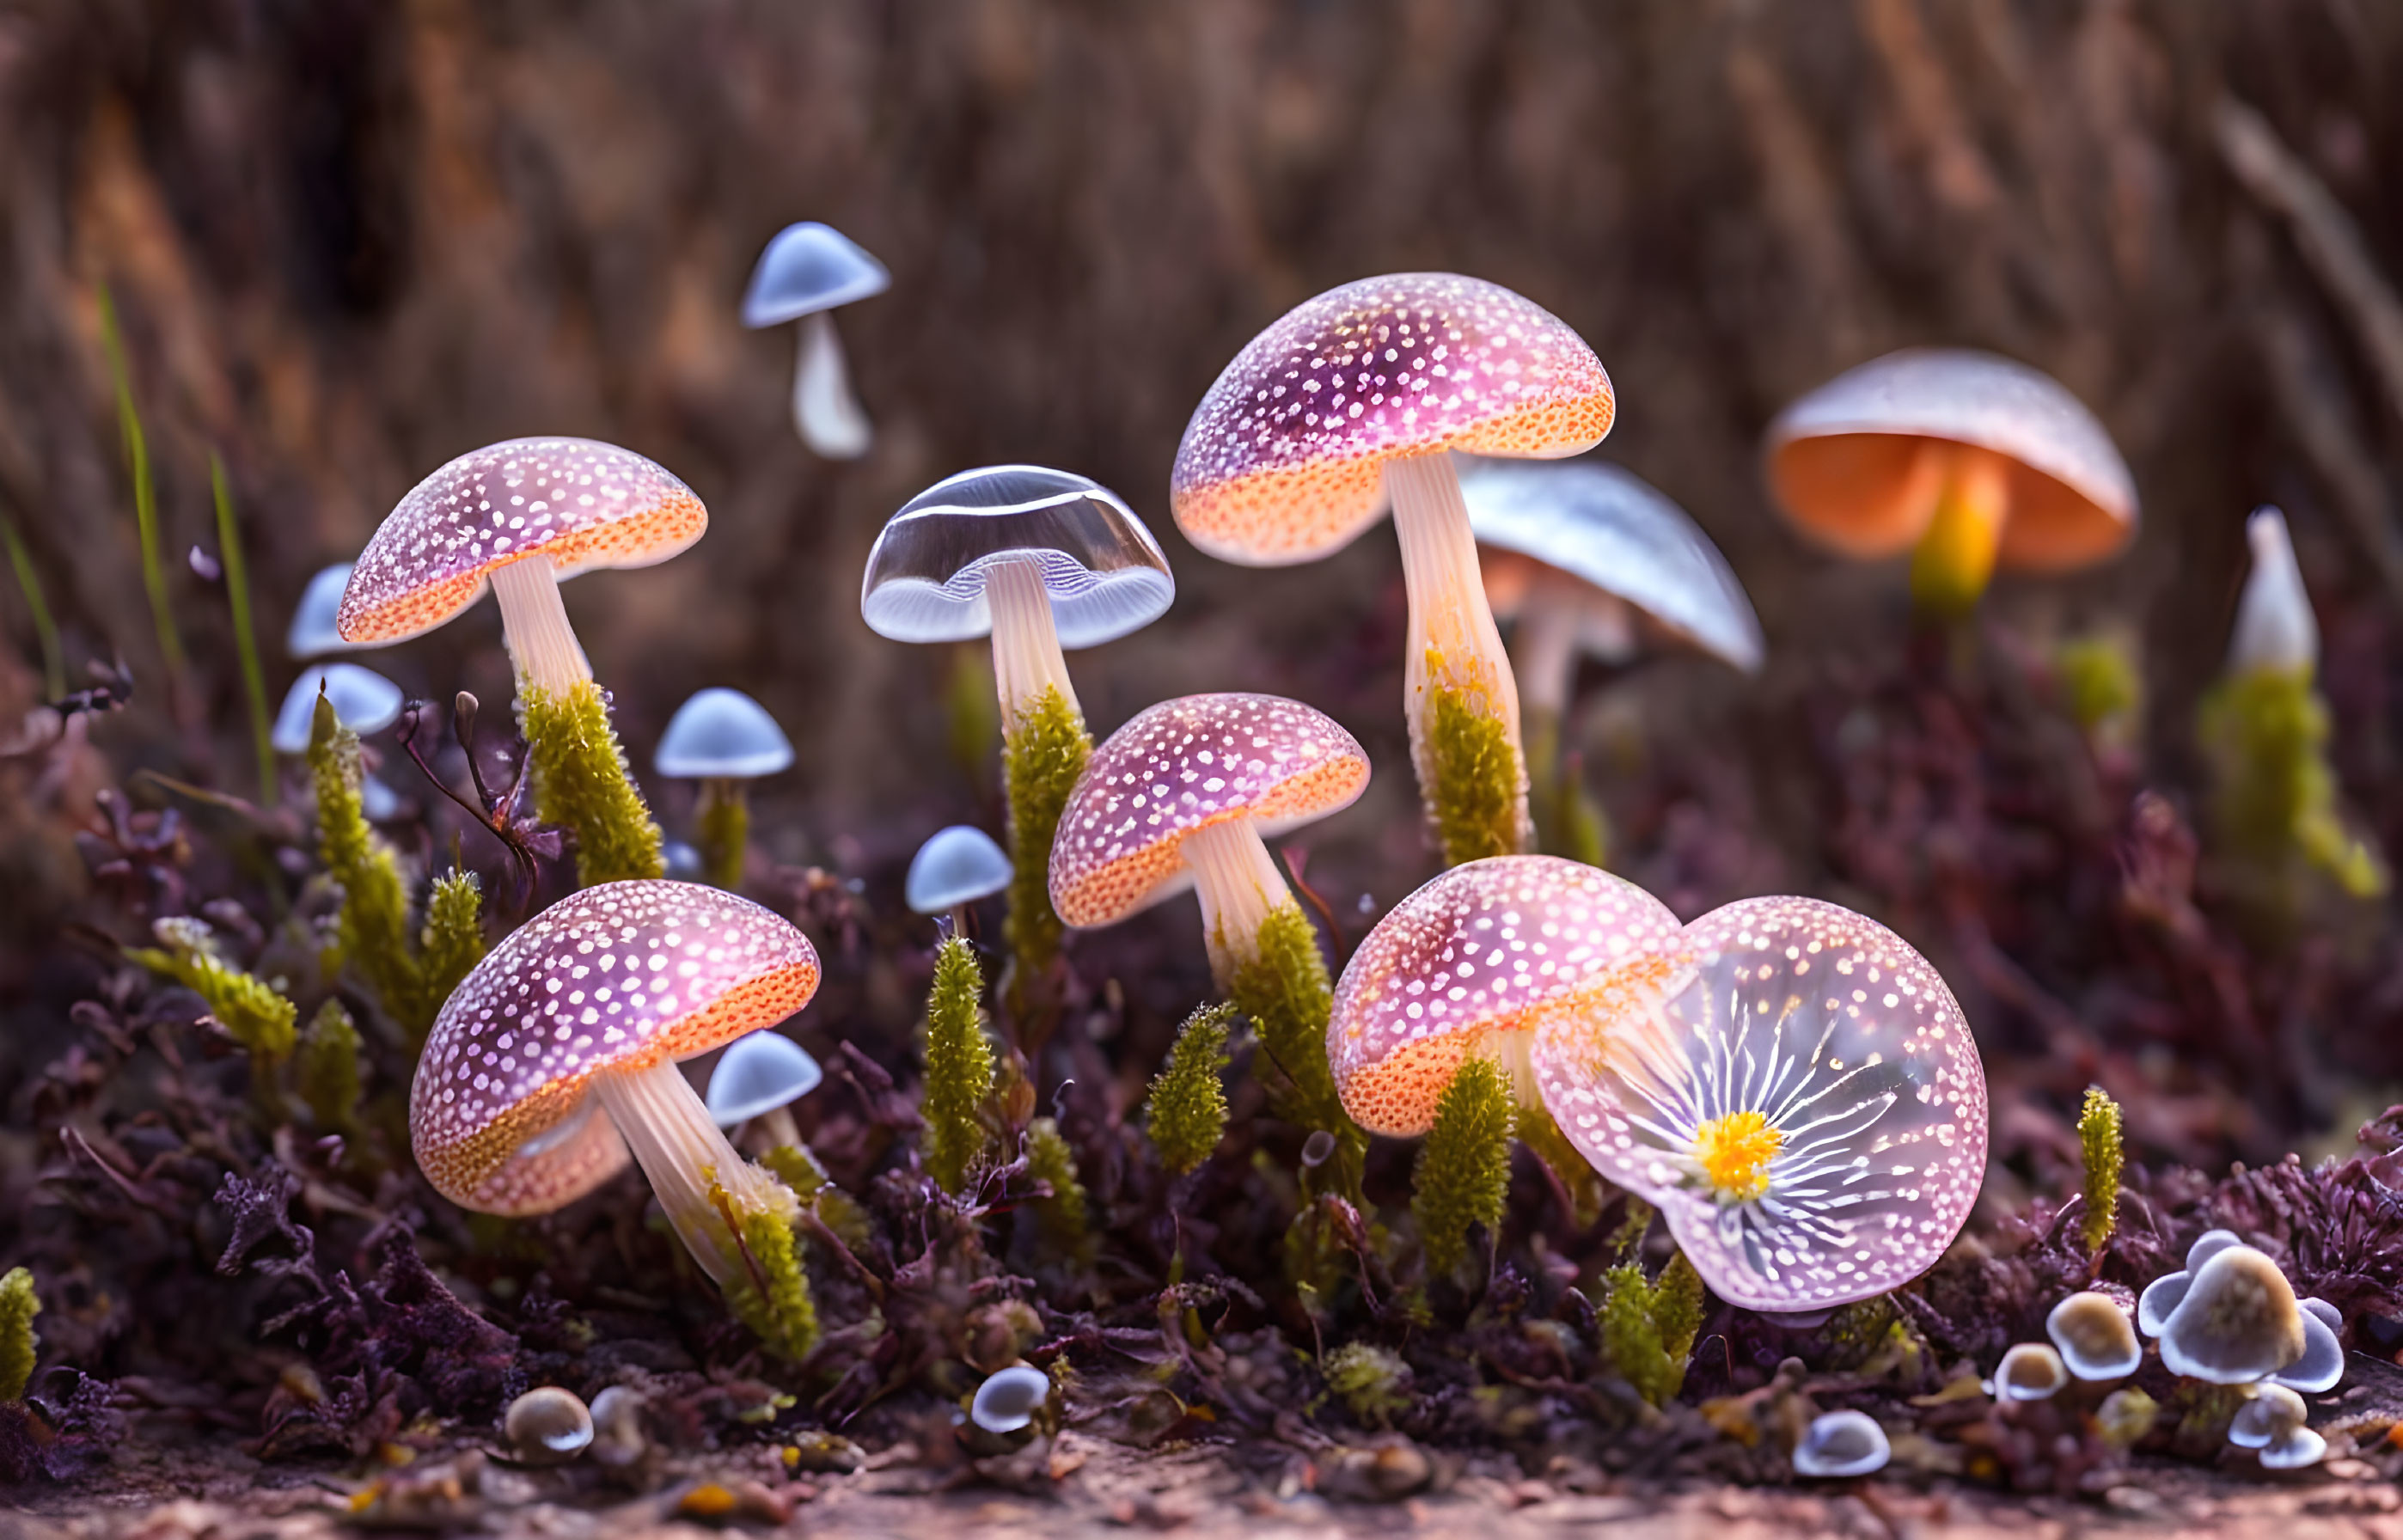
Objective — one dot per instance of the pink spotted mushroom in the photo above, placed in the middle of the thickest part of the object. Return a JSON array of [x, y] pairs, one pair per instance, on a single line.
[[558, 1053], [1478, 963], [1185, 794], [1355, 399], [1803, 1101]]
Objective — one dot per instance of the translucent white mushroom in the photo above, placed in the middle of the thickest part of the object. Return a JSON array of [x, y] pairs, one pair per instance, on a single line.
[[2096, 1339], [364, 701], [1841, 1443], [548, 1425], [313, 634], [2276, 630], [2231, 1319], [2162, 1295], [2272, 1423], [1010, 1400], [955, 867], [722, 734], [2030, 1371], [803, 275], [759, 1076], [2322, 1364]]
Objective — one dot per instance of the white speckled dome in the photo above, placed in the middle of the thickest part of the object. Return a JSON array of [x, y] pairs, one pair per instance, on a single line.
[[1804, 1104], [616, 978]]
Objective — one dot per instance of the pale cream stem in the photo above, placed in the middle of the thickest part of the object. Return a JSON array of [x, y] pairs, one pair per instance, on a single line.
[[535, 625], [679, 1147], [1543, 650], [824, 410], [1453, 643], [1026, 657], [1238, 886], [782, 1132]]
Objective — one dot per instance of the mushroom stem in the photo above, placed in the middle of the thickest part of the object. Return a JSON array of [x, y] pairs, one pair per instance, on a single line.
[[679, 1147], [782, 1132], [1954, 558], [723, 821], [1240, 887], [1454, 647], [824, 410], [1543, 651], [1026, 658], [535, 625]]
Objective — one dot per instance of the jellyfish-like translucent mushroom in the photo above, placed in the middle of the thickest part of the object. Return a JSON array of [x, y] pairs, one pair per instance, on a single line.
[[725, 739], [1037, 558], [2322, 1365], [2096, 1339], [2162, 1295], [1357, 399], [1972, 459], [803, 274], [364, 701], [2231, 1318], [548, 1425], [1802, 1101], [1008, 1400], [2272, 1423], [1841, 1444], [313, 633], [2276, 629], [2030, 1371], [953, 870], [762, 1076]]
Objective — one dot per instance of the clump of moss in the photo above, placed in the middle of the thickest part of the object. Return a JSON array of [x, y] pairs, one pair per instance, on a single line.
[[1372, 1383], [2268, 729], [252, 1012], [1473, 780], [1463, 1176], [2099, 681], [1042, 754], [1187, 1105], [452, 942], [2098, 1142], [798, 1168], [1284, 989], [1060, 1216], [328, 1068], [374, 924], [772, 1295], [958, 1066], [19, 1305], [1649, 1326], [724, 825], [581, 781]]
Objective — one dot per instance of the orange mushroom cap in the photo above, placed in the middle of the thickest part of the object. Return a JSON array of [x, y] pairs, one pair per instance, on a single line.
[[611, 980], [1476, 962], [577, 503], [1284, 459]]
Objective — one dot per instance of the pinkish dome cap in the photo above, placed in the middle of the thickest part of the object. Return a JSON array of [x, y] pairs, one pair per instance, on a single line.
[[1805, 1106], [614, 978], [1485, 953], [577, 502], [1285, 458], [1182, 766]]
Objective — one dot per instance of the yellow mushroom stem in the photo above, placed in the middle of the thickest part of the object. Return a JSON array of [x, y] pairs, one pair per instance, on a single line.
[[535, 625], [681, 1149], [1954, 558], [1238, 885], [1454, 645], [1026, 658]]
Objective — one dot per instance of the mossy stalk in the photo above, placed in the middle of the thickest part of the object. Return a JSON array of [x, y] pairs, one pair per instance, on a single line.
[[1186, 1116], [2099, 1144], [1463, 1176], [452, 942], [959, 1067], [1043, 752], [19, 1305], [724, 823], [374, 924], [1062, 1216], [581, 781], [1284, 989], [770, 1292], [1473, 780], [252, 1012], [327, 1068], [2277, 795], [1649, 1326], [246, 639]]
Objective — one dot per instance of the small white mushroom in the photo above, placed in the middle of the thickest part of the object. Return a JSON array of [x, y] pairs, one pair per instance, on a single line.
[[548, 1426], [617, 1437], [2229, 1321], [2272, 1423], [2096, 1339], [2030, 1371], [1841, 1443], [364, 701], [1010, 1400]]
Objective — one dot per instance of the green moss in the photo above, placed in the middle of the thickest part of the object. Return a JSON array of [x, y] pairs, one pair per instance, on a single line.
[[2099, 680], [1062, 1215], [796, 1166], [1372, 1383], [1463, 1176], [958, 1066], [1473, 773], [1286, 991], [454, 939], [581, 783], [2267, 731], [328, 1068], [1649, 1326], [1188, 1107], [19, 1305], [253, 1014], [771, 1294], [2098, 1141], [374, 925], [1042, 754], [725, 828]]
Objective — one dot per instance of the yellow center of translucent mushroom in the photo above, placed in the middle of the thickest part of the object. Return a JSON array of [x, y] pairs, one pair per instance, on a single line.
[[1734, 1152]]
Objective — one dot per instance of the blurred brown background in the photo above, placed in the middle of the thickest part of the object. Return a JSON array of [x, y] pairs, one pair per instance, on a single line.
[[350, 239]]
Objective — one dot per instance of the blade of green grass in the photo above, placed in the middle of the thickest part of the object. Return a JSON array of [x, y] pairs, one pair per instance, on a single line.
[[237, 582], [145, 495], [54, 659]]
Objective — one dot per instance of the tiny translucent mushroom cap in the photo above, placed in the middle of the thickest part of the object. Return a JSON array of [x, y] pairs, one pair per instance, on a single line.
[[1841, 1443], [2096, 1339], [1008, 1400], [1183, 765], [758, 1074], [2276, 629], [364, 701], [1803, 1103], [576, 502], [547, 1424], [2230, 1321], [616, 978], [2030, 1371], [1103, 571], [1611, 529], [1841, 461], [1284, 459], [1480, 961], [808, 268], [2272, 1423], [311, 633], [722, 734], [956, 865]]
